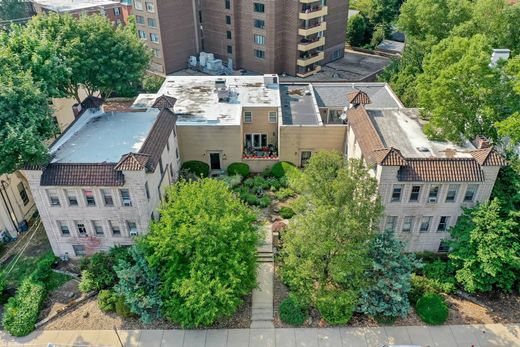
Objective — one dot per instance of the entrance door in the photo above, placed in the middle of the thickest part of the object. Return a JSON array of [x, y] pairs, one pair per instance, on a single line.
[[214, 160]]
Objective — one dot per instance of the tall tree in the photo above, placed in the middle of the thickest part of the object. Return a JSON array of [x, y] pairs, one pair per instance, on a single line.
[[203, 248], [486, 249], [510, 127], [14, 9], [325, 248]]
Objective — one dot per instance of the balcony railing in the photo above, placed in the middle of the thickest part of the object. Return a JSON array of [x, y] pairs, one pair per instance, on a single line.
[[312, 29], [309, 72], [269, 152], [313, 12], [307, 45], [310, 59]]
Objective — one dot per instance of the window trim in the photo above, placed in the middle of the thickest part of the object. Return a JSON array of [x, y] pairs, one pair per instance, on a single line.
[[392, 197], [446, 224], [429, 218], [258, 7], [455, 196], [393, 220], [272, 114], [474, 192], [248, 114], [125, 202], [418, 198], [412, 219]]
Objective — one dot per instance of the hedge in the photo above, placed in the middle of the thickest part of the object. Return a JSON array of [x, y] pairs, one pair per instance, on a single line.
[[281, 169], [291, 313], [241, 169], [196, 167], [432, 309], [337, 307]]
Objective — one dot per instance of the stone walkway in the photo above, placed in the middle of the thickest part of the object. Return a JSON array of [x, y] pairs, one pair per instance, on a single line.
[[489, 335], [262, 306]]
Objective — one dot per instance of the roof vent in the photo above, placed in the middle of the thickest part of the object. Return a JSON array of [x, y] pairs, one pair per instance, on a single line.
[[423, 149]]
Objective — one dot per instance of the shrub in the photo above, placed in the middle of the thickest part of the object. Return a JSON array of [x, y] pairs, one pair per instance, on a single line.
[[357, 30], [152, 83], [291, 313], [273, 183], [284, 193], [250, 199], [282, 168], [122, 308], [264, 201], [337, 307], [286, 212], [241, 169], [107, 301], [196, 167], [43, 270], [442, 273], [232, 181], [22, 311], [432, 309], [3, 284], [421, 286], [98, 272]]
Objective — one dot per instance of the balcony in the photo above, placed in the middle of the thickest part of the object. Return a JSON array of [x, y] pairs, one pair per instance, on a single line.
[[310, 72], [307, 45], [269, 152], [314, 12], [310, 59], [309, 30]]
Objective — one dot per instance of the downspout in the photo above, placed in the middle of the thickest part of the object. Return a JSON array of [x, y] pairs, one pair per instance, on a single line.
[[10, 209]]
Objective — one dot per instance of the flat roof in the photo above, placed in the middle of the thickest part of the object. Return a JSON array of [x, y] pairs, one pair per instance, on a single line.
[[73, 5], [334, 94], [99, 137], [198, 102], [401, 129], [298, 105]]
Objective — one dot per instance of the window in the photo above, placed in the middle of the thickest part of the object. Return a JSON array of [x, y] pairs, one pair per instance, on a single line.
[[443, 223], [53, 198], [443, 247], [147, 190], [139, 19], [470, 192], [64, 228], [161, 167], [414, 195], [125, 197], [259, 54], [396, 193], [132, 228], [259, 39], [152, 23], [227, 4], [391, 222], [228, 34], [89, 197], [336, 54], [79, 250], [273, 117], [248, 117], [98, 228], [425, 224], [154, 37], [433, 194], [230, 49], [138, 4], [176, 153], [258, 7], [71, 196], [142, 34], [117, 11], [23, 193], [453, 190], [82, 231], [259, 23], [407, 224], [149, 7], [107, 197], [256, 140], [304, 157], [228, 20], [156, 52], [114, 226]]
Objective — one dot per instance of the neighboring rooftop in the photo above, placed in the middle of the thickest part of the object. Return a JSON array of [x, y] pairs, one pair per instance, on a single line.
[[298, 105], [334, 94], [73, 5], [98, 137], [198, 100]]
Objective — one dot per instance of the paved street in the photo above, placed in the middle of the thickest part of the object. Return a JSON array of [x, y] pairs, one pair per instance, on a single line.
[[444, 336]]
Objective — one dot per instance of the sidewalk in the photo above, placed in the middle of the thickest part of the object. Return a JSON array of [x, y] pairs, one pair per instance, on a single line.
[[489, 335]]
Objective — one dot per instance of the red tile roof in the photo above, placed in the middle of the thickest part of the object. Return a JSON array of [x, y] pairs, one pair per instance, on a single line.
[[389, 157], [164, 101], [87, 174], [366, 134], [358, 97], [441, 170], [132, 162], [488, 157]]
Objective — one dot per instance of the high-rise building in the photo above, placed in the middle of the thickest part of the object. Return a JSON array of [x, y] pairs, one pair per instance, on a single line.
[[264, 36]]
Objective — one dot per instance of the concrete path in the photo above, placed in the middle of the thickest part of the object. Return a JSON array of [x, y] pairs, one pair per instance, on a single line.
[[262, 307], [489, 335]]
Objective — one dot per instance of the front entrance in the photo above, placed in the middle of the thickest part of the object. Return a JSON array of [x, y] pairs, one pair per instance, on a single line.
[[214, 161]]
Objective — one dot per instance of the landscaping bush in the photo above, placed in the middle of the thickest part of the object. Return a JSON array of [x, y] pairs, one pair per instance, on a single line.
[[250, 199], [98, 272], [264, 201], [152, 83], [337, 307], [282, 168], [421, 286], [284, 194], [286, 212], [291, 313], [274, 184], [196, 167], [22, 311], [122, 308], [241, 169], [3, 285], [442, 273], [232, 181], [107, 301], [432, 309], [43, 270]]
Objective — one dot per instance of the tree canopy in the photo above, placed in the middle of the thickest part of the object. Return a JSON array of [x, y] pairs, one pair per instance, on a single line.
[[203, 248]]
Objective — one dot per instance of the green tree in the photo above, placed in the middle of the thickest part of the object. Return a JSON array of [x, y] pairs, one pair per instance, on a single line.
[[357, 31], [386, 297], [66, 54], [203, 248], [14, 9], [26, 120], [510, 127], [326, 245], [486, 249], [461, 94]]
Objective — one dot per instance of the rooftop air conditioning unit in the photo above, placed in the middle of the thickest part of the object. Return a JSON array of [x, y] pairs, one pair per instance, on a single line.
[[270, 79], [133, 232]]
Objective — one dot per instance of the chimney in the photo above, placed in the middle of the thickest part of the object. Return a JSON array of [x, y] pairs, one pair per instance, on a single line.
[[499, 54], [481, 142], [76, 110]]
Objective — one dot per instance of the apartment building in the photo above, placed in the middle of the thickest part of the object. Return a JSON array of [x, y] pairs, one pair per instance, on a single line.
[[265, 36], [108, 174], [116, 11], [16, 205]]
